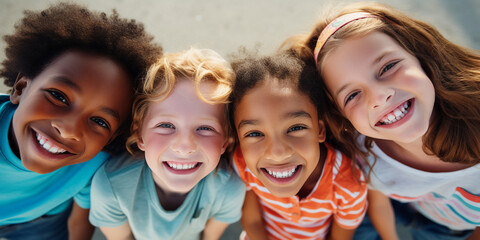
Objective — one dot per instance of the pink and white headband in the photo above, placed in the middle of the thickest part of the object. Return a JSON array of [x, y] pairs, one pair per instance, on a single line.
[[336, 24]]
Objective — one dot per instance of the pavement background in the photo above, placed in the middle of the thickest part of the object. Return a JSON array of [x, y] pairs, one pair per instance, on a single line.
[[225, 25]]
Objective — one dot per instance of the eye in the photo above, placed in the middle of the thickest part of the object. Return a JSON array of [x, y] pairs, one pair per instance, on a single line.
[[254, 134], [351, 97], [296, 128], [207, 131], [205, 128], [166, 125], [59, 96], [387, 67], [101, 122]]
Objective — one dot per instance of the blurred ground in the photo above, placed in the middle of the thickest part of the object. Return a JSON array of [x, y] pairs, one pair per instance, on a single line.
[[226, 25]]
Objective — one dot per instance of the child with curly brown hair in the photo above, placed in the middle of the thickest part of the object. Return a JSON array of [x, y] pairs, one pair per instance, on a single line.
[[73, 75]]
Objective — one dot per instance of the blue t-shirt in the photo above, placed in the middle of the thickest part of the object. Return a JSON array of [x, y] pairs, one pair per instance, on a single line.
[[26, 195], [123, 190]]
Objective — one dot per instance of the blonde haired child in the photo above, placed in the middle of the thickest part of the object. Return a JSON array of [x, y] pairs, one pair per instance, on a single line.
[[179, 124], [411, 99]]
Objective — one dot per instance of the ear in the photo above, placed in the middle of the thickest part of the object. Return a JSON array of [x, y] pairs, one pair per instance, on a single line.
[[136, 131], [19, 88], [322, 132], [140, 144], [225, 145]]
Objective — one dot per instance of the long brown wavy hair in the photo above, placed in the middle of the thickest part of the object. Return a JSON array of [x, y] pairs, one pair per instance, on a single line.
[[454, 131]]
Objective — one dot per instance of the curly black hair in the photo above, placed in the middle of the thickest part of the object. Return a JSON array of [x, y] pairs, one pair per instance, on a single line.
[[252, 70], [42, 36]]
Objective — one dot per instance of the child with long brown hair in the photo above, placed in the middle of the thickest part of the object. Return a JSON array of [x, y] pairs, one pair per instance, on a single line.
[[410, 99]]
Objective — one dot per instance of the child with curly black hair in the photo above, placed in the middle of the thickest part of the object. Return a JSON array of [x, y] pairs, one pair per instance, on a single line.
[[73, 75]]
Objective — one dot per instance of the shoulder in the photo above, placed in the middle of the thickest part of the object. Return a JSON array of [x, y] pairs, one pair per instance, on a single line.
[[121, 168], [346, 173], [224, 182]]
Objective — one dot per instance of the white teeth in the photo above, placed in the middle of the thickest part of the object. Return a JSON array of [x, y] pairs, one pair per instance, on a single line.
[[48, 145], [182, 166], [397, 114], [284, 174]]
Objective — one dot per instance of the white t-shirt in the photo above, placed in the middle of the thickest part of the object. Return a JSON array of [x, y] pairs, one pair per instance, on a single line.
[[448, 198]]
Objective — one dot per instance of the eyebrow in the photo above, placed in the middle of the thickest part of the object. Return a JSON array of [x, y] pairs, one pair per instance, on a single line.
[[66, 81], [75, 87], [296, 114], [111, 112], [247, 122]]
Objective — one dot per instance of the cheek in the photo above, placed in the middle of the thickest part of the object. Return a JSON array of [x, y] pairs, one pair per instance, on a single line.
[[251, 154], [213, 148]]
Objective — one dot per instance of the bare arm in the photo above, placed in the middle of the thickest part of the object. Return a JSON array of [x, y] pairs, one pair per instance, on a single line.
[[214, 229], [338, 232], [78, 225], [252, 221], [475, 234], [381, 214], [118, 233]]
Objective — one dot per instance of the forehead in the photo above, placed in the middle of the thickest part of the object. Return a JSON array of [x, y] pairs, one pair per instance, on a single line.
[[89, 77], [184, 101], [273, 99], [357, 54]]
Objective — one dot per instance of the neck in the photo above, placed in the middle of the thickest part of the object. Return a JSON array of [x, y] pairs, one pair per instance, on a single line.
[[314, 176], [169, 200], [413, 155], [13, 141]]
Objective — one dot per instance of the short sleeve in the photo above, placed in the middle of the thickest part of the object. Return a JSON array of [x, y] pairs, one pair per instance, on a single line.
[[234, 194], [82, 198], [240, 166], [351, 195], [105, 210]]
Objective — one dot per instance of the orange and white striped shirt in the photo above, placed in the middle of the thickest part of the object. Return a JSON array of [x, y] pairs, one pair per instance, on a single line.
[[339, 194]]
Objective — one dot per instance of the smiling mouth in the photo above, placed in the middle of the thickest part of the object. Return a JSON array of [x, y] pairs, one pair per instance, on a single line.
[[182, 166], [283, 174], [48, 145], [396, 114]]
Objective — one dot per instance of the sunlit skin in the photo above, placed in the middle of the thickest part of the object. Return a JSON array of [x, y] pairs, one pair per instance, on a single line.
[[372, 76], [279, 130], [73, 108], [185, 131]]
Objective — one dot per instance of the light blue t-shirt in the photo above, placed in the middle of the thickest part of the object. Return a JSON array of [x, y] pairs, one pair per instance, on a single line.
[[123, 190], [26, 195]]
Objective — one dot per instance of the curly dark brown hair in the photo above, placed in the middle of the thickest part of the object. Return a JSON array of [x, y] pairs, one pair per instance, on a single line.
[[41, 36]]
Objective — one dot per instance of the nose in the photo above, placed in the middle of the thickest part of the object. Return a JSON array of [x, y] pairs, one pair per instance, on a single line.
[[69, 127], [278, 149], [379, 95], [184, 144]]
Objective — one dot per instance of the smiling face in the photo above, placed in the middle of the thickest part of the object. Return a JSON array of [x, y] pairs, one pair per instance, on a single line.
[[279, 134], [183, 137], [380, 88], [68, 112]]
